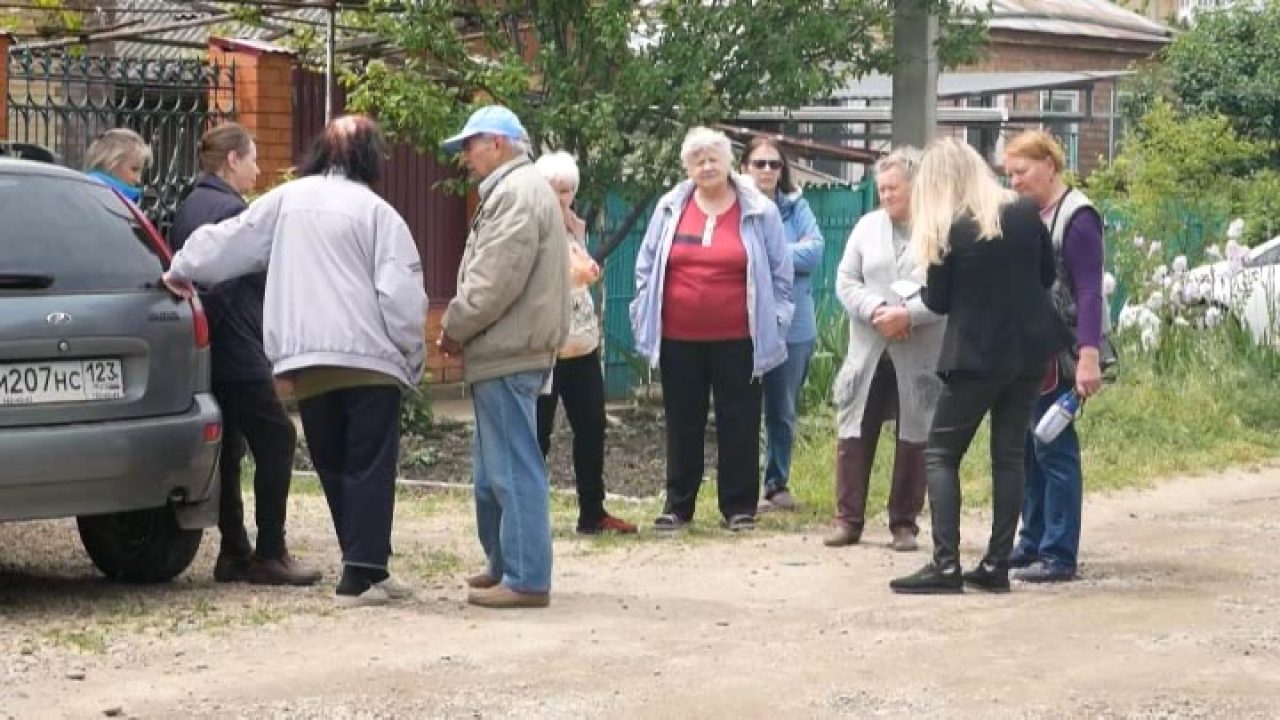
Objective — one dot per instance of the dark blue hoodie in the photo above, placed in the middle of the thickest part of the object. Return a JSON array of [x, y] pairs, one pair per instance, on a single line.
[[235, 306]]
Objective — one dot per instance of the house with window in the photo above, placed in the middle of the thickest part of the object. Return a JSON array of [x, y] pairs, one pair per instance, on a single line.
[[1053, 65], [1091, 37]]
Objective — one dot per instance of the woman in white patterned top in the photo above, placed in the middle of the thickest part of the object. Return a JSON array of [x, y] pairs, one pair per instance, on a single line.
[[578, 380]]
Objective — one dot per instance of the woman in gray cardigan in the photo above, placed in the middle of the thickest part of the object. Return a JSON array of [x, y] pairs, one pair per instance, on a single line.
[[889, 367]]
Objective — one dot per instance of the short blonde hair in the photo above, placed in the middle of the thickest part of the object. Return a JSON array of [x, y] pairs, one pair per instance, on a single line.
[[115, 147], [559, 166], [703, 139], [1037, 145], [904, 158]]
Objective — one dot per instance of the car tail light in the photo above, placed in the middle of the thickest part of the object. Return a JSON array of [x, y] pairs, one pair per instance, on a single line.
[[201, 322], [212, 432]]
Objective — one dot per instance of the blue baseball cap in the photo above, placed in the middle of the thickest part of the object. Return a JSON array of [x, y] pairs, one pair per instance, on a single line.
[[488, 120]]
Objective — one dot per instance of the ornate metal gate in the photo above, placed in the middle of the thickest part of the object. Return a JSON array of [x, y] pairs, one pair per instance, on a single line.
[[64, 102]]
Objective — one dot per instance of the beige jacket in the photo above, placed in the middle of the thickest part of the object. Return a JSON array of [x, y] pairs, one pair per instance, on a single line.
[[511, 311]]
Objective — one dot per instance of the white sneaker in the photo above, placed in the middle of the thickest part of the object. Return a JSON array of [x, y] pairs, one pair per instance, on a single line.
[[371, 597], [395, 589]]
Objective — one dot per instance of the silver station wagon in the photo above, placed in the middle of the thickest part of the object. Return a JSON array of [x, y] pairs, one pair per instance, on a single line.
[[105, 408]]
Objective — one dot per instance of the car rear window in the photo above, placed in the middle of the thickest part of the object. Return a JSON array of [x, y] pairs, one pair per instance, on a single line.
[[78, 233]]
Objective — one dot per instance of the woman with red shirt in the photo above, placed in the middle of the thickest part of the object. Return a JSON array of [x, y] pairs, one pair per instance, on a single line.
[[712, 308]]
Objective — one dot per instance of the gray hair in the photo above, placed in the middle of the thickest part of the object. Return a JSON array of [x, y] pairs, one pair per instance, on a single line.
[[114, 148], [904, 158], [703, 139], [559, 166]]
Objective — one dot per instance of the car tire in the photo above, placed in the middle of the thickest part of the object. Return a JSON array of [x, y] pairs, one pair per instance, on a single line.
[[143, 546]]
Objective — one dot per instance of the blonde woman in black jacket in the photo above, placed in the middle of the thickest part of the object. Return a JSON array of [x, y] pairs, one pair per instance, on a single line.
[[990, 264]]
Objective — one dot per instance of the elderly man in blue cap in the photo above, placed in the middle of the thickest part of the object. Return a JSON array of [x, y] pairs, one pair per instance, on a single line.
[[508, 320]]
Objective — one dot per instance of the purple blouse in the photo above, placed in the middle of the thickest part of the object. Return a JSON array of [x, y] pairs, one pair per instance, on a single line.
[[1082, 252]]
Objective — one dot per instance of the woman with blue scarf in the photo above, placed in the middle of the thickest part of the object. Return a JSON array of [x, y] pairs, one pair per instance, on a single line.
[[765, 164], [117, 159]]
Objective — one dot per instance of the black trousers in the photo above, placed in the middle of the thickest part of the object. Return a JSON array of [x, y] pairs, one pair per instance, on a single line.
[[964, 402], [579, 384], [354, 436], [691, 372], [252, 415]]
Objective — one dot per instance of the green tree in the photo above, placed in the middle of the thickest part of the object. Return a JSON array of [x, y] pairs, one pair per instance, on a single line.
[[1228, 63], [1177, 173], [615, 82]]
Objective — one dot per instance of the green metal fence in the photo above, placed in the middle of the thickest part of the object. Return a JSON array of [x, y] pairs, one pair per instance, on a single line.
[[1186, 231], [837, 209]]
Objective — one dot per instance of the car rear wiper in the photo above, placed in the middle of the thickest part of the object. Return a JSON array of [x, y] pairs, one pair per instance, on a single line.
[[25, 281]]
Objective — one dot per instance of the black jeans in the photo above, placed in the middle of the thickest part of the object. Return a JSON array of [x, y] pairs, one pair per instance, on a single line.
[[354, 436], [690, 372], [252, 415], [579, 383], [964, 402]]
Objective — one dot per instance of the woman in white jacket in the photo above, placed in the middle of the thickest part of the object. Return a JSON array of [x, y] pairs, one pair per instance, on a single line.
[[343, 321], [889, 367]]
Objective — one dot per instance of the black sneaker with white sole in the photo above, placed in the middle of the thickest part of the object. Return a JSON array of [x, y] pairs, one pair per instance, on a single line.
[[989, 577], [930, 580]]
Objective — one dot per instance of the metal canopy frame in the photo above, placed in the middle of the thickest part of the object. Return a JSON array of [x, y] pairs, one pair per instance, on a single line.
[[820, 129]]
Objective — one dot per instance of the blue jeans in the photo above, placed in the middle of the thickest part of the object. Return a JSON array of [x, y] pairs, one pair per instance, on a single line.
[[513, 513], [1054, 496], [781, 393]]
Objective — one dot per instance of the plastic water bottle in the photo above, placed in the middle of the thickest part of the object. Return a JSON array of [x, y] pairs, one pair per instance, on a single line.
[[1059, 415]]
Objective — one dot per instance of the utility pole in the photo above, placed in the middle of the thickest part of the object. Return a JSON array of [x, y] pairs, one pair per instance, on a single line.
[[915, 79], [330, 41]]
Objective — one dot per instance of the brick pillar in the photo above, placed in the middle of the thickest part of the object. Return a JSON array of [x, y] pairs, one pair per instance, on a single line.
[[5, 41], [263, 100]]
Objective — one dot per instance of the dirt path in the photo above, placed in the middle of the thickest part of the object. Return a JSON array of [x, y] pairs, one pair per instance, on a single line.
[[1178, 616]]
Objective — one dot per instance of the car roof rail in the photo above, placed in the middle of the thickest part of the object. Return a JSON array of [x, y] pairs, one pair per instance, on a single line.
[[28, 151]]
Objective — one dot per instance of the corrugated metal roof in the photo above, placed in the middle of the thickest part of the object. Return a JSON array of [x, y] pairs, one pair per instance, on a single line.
[[962, 85], [1086, 18], [189, 42]]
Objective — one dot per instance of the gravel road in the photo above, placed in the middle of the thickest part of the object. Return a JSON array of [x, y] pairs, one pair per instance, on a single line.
[[1177, 615]]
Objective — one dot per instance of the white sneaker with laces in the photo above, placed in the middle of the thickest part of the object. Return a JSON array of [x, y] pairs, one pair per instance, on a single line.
[[395, 589], [373, 596]]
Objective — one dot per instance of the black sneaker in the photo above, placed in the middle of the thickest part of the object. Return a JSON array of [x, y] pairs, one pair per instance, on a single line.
[[930, 580], [1020, 558], [989, 577]]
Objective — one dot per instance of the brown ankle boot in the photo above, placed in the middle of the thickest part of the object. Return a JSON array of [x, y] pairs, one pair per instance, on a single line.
[[842, 534], [284, 570]]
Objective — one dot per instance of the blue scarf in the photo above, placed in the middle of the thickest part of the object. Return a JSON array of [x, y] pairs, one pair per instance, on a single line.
[[133, 192]]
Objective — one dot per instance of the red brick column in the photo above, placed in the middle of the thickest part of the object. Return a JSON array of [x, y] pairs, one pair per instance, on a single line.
[[443, 370], [5, 41], [263, 100]]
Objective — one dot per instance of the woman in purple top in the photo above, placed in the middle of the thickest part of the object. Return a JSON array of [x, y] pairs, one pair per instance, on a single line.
[[1050, 537]]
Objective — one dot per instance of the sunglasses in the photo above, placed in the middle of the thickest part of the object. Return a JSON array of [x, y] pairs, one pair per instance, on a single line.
[[762, 164]]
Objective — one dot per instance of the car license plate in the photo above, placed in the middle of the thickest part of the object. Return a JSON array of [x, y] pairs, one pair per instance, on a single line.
[[60, 381]]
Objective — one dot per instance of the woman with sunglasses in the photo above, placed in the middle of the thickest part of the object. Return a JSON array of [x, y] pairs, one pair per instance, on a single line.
[[767, 166]]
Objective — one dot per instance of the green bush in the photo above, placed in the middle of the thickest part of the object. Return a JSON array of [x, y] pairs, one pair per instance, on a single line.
[[1200, 401], [828, 354], [416, 414]]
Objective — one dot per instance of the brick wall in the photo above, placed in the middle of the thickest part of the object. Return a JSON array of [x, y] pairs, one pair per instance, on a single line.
[[263, 100], [1032, 52], [442, 369]]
